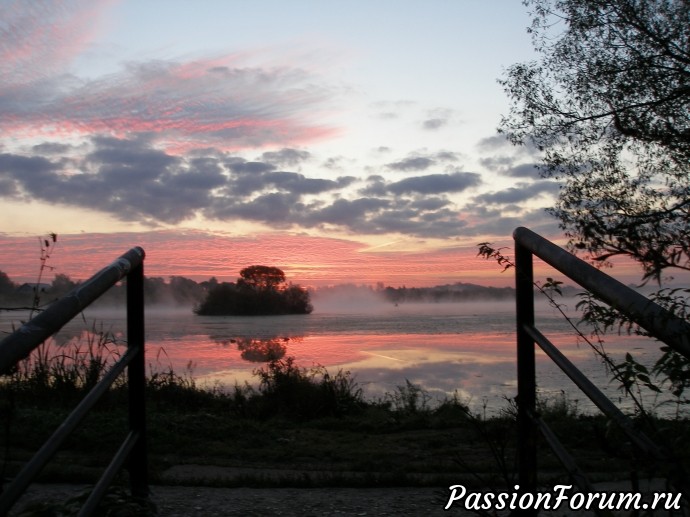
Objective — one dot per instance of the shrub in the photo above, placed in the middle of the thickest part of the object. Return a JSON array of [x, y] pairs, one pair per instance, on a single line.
[[300, 393]]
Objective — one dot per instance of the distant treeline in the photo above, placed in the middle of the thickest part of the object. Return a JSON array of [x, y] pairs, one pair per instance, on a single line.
[[181, 291], [177, 290], [458, 292]]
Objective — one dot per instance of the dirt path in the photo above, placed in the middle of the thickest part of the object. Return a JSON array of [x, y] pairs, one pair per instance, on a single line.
[[181, 501], [189, 497]]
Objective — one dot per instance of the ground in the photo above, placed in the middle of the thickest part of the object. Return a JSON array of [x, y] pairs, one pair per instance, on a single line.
[[182, 501]]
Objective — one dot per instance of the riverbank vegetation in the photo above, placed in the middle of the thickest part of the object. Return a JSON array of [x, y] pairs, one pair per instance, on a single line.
[[295, 426]]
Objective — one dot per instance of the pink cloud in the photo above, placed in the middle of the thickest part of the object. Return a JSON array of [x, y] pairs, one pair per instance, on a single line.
[[184, 106], [220, 102], [39, 39]]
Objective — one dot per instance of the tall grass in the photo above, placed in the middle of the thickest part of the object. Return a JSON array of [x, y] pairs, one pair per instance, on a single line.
[[67, 372]]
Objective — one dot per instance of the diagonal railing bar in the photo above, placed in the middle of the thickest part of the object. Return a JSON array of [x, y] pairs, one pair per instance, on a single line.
[[568, 462], [109, 474], [596, 396], [30, 335]]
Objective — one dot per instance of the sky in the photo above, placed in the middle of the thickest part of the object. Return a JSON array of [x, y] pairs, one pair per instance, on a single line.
[[340, 141]]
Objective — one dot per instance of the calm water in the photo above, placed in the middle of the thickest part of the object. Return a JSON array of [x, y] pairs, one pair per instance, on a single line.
[[467, 348]]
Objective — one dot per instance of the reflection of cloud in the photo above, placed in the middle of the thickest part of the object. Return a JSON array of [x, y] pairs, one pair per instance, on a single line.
[[473, 382], [382, 356]]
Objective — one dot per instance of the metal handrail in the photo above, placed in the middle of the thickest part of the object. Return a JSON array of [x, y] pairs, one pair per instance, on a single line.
[[30, 335], [660, 323]]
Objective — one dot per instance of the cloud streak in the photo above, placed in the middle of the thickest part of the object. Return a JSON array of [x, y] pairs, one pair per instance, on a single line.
[[219, 102], [182, 105], [40, 39]]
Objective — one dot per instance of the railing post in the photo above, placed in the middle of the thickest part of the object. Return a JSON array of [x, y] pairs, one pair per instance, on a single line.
[[136, 380], [526, 397]]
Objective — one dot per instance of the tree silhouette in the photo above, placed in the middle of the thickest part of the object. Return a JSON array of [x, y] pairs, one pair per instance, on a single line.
[[263, 278], [260, 291], [608, 107]]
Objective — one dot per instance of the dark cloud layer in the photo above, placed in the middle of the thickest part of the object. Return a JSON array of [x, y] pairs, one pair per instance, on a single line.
[[423, 162], [418, 163], [132, 179], [436, 183], [519, 194], [434, 123]]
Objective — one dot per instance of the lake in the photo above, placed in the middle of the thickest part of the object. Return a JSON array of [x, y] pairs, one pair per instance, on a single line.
[[463, 348]]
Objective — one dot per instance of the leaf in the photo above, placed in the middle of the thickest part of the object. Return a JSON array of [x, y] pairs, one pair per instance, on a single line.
[[641, 368]]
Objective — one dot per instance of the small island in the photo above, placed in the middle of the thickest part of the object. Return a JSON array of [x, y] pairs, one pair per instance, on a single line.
[[260, 291]]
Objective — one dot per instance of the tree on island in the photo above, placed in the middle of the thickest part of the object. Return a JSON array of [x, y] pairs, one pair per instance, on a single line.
[[260, 291], [262, 277]]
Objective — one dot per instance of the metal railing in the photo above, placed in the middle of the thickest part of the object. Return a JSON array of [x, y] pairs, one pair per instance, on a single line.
[[29, 336], [656, 320]]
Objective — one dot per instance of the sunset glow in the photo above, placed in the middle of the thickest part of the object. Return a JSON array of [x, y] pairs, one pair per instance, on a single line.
[[310, 261], [343, 147]]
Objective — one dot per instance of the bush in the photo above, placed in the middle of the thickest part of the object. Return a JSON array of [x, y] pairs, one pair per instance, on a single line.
[[302, 394]]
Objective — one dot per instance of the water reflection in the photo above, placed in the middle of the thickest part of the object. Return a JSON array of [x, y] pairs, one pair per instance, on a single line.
[[444, 349], [258, 350]]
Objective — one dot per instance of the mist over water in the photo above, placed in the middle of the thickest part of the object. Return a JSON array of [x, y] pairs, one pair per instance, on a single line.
[[466, 349]]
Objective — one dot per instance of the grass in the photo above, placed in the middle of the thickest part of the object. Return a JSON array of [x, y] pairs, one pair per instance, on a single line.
[[298, 427]]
